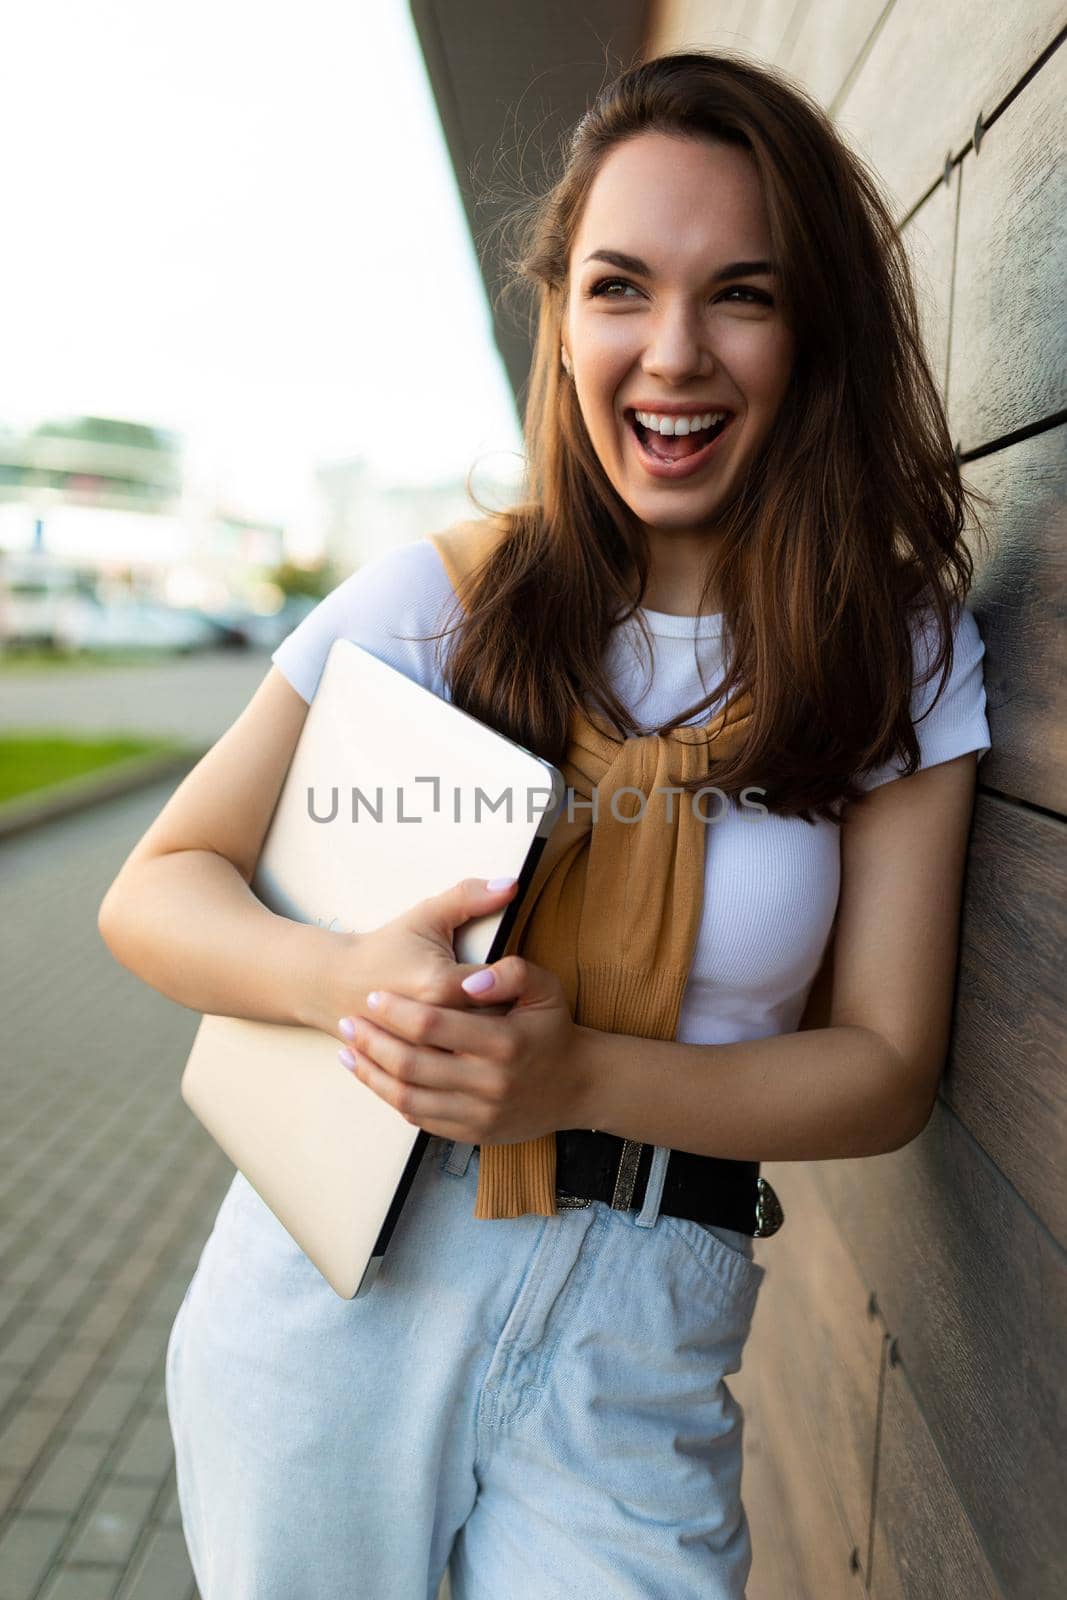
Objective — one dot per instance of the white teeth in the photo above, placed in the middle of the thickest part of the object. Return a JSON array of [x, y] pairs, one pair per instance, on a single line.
[[678, 425]]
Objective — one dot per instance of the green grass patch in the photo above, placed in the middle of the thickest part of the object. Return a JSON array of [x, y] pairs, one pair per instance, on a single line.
[[33, 762], [27, 659]]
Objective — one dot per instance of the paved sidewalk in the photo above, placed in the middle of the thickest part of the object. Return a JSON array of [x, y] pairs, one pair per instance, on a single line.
[[108, 1188], [107, 1194]]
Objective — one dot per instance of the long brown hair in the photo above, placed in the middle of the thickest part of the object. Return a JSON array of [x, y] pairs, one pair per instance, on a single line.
[[850, 523]]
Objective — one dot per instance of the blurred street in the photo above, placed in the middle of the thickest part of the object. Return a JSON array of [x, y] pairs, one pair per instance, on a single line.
[[192, 697]]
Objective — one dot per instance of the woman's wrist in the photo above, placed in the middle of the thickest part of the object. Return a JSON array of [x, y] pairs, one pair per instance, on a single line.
[[326, 980]]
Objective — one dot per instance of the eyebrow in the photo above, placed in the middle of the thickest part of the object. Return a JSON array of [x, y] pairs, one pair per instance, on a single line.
[[634, 264]]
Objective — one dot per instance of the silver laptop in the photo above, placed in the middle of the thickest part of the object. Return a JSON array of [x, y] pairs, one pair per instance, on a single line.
[[392, 795]]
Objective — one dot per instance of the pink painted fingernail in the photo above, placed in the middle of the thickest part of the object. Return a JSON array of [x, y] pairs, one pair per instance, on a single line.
[[347, 1027], [478, 982], [347, 1059]]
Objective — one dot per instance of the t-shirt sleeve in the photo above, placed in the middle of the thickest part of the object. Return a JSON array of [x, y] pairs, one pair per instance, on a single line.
[[956, 722], [401, 592]]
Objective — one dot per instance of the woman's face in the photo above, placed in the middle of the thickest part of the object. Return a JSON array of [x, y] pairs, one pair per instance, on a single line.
[[664, 329]]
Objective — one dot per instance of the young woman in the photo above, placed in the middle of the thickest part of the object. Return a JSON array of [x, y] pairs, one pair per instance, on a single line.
[[744, 520]]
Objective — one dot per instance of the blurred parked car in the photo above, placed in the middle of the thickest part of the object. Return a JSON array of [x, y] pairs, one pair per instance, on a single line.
[[33, 591], [267, 632], [86, 623]]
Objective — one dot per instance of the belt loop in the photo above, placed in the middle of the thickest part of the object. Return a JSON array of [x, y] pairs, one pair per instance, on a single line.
[[657, 1173], [459, 1158]]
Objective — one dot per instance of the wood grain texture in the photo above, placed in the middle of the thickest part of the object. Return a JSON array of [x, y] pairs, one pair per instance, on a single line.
[[927, 73], [751, 27], [1020, 601], [825, 44], [1008, 366], [816, 1329], [929, 239], [924, 1544], [973, 1287], [802, 1546], [1006, 1079]]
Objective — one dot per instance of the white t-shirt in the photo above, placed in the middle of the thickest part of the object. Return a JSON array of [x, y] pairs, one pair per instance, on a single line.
[[771, 883]]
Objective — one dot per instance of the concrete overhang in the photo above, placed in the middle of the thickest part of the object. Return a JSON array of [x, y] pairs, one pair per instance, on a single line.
[[510, 80]]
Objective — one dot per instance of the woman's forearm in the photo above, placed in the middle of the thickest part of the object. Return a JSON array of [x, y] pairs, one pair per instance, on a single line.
[[811, 1096], [188, 924]]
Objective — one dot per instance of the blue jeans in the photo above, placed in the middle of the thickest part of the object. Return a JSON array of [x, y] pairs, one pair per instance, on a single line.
[[537, 1403]]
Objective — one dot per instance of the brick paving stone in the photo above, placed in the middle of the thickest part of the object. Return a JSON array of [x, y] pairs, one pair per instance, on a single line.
[[66, 1372], [107, 1407], [82, 1583], [30, 1266], [106, 1314], [25, 1435], [108, 1191], [27, 1546], [65, 1292], [25, 1342], [112, 1524], [148, 1452], [64, 1483], [138, 1351], [170, 1514], [161, 1570]]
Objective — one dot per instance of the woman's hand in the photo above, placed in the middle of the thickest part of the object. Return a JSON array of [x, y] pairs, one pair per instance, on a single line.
[[474, 1078], [412, 955]]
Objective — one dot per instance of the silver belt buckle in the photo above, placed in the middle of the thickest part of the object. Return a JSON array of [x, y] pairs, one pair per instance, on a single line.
[[769, 1213]]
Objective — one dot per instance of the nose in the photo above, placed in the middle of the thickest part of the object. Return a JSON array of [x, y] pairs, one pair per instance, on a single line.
[[678, 347]]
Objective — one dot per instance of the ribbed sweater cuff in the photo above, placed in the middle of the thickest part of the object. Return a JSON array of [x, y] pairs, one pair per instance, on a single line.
[[516, 1178]]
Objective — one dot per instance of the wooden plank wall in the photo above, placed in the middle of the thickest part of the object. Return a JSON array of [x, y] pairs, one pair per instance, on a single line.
[[904, 1385]]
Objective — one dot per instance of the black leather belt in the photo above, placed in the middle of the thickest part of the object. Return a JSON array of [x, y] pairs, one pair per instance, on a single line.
[[601, 1166]]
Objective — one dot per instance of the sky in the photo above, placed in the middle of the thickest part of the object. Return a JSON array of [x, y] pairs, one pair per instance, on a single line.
[[237, 219]]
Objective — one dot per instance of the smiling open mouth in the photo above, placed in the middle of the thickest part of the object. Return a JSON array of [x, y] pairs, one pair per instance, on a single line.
[[670, 450]]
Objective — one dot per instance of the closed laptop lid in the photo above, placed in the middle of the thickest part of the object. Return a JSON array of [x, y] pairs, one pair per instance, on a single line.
[[392, 795]]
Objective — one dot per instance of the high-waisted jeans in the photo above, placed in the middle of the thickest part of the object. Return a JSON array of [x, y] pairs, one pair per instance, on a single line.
[[538, 1403]]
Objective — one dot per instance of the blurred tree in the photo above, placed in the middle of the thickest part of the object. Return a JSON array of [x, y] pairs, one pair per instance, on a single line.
[[106, 430], [315, 582]]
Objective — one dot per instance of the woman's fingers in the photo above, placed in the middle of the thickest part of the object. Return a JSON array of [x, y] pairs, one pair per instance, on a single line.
[[438, 1027], [432, 1087], [449, 1115]]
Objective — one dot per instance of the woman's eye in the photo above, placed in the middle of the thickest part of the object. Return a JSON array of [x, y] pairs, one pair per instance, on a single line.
[[608, 283], [756, 296]]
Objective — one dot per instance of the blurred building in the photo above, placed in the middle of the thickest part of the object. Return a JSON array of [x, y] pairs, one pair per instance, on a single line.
[[108, 497], [92, 461], [364, 516]]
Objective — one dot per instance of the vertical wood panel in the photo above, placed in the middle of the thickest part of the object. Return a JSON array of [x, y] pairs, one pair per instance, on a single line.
[[926, 76], [827, 42], [1006, 1078], [1020, 600], [973, 1287], [813, 1326], [930, 242], [1009, 343], [750, 27], [924, 1543]]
